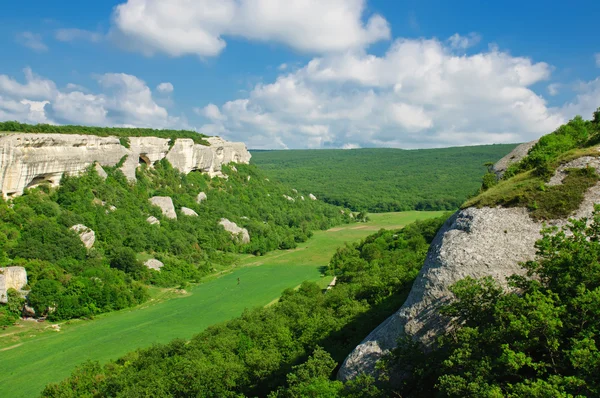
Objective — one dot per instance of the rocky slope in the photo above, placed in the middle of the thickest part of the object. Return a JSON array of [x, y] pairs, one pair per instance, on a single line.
[[27, 160], [473, 242]]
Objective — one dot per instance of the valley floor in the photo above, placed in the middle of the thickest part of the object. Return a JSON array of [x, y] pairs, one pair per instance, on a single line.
[[34, 354]]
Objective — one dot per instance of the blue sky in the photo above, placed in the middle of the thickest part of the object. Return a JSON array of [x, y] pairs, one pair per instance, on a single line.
[[305, 73]]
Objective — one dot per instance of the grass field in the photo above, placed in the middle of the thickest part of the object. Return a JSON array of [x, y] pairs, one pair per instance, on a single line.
[[33, 354]]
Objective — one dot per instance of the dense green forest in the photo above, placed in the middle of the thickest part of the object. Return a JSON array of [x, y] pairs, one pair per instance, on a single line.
[[276, 350], [68, 281], [122, 132], [382, 180]]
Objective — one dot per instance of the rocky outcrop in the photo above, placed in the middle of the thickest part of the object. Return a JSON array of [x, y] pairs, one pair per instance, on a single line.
[[235, 231], [100, 171], [152, 220], [513, 157], [188, 212], [87, 236], [166, 205], [312, 197], [473, 242], [11, 278], [289, 198], [201, 197], [154, 264], [27, 160]]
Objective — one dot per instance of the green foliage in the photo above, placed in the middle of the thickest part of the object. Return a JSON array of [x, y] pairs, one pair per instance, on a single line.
[[424, 179], [544, 202], [276, 350], [540, 339], [10, 312], [123, 132], [35, 233]]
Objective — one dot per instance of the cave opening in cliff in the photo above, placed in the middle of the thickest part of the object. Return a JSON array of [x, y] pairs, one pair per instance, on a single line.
[[143, 159]]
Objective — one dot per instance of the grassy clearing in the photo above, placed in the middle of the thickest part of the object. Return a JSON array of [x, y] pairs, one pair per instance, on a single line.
[[33, 355]]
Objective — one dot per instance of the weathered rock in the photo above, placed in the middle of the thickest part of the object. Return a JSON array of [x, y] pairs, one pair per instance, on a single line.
[[235, 231], [289, 198], [27, 311], [152, 220], [27, 160], [166, 205], [513, 157], [87, 236], [11, 278], [100, 171], [312, 197], [473, 242], [301, 197], [154, 264], [189, 212], [201, 197]]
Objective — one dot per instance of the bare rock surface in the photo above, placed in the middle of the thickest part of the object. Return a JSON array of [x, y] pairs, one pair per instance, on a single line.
[[87, 236], [513, 157], [201, 197], [11, 278], [189, 212], [154, 264], [152, 220], [28, 160], [312, 197], [100, 171], [166, 205], [235, 231], [473, 242]]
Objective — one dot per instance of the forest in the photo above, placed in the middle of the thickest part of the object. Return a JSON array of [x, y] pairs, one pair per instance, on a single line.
[[382, 180], [67, 281]]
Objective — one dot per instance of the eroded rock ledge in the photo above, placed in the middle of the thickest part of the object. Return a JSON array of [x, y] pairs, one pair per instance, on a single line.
[[27, 160]]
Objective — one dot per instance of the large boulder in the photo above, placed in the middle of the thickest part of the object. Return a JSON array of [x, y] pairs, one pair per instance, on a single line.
[[473, 242], [201, 197], [166, 205], [154, 264], [11, 278], [235, 231], [513, 157], [189, 212], [87, 236]]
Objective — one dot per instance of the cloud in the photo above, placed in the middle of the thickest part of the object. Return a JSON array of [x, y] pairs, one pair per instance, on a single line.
[[165, 88], [122, 100], [32, 40], [463, 42], [73, 34], [586, 101], [198, 28], [420, 93], [554, 88]]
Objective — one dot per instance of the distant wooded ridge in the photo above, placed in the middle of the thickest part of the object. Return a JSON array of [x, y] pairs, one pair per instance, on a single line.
[[384, 179]]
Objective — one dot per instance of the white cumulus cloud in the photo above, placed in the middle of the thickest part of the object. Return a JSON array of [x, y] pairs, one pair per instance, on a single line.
[[165, 88], [420, 93], [182, 27]]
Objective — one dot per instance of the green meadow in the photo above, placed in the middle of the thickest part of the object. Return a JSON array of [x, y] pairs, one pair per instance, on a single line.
[[37, 349]]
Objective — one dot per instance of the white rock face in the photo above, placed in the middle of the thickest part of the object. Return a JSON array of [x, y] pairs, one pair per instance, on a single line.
[[189, 212], [312, 197], [100, 171], [166, 205], [27, 160], [154, 264], [87, 236], [201, 197], [473, 242], [513, 157], [152, 220], [11, 278], [235, 231]]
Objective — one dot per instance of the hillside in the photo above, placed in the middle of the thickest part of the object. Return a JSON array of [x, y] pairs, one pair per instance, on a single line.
[[380, 180]]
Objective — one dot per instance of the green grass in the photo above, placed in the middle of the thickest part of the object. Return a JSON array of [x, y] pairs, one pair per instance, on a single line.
[[33, 355]]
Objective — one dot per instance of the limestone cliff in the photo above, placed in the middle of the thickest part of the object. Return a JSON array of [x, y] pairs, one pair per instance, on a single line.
[[473, 242], [27, 160], [11, 278]]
